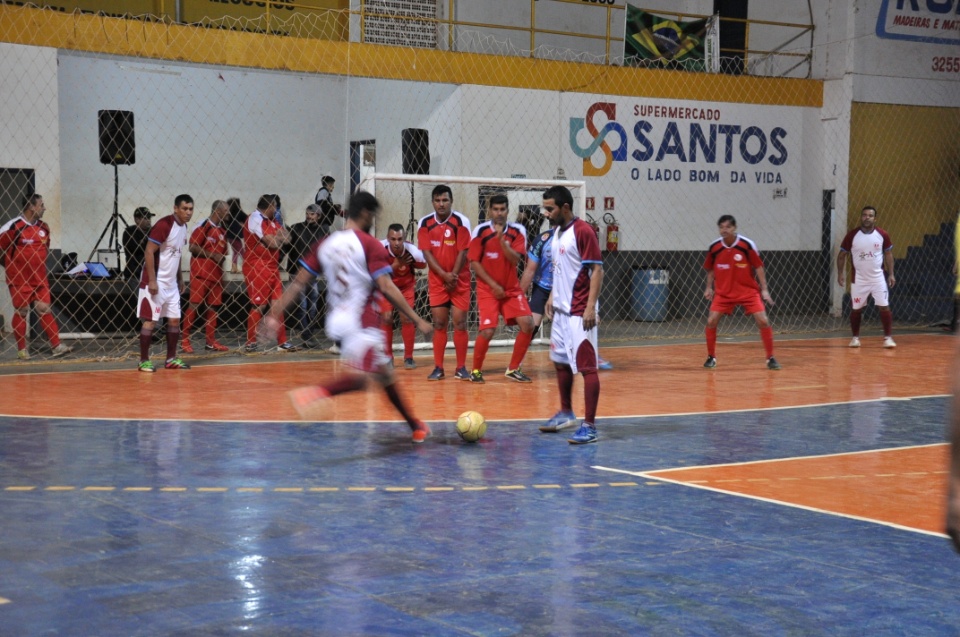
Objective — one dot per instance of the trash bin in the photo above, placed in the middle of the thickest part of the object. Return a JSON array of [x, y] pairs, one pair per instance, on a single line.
[[649, 294]]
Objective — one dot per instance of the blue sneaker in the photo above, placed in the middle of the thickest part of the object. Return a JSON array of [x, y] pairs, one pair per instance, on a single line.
[[561, 420], [585, 434]]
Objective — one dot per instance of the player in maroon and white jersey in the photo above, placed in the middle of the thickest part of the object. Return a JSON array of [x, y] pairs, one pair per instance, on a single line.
[[871, 253], [444, 236], [495, 249], [161, 282], [358, 271], [24, 243], [208, 247], [407, 258], [731, 262], [573, 306]]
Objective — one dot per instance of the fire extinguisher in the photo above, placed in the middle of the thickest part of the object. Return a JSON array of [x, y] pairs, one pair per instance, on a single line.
[[593, 224], [613, 232]]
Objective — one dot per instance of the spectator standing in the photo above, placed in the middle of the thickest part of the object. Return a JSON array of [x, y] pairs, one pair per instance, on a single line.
[[329, 211], [303, 237], [407, 258], [135, 242]]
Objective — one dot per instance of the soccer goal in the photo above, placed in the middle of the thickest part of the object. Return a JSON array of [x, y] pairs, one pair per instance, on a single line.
[[407, 198]]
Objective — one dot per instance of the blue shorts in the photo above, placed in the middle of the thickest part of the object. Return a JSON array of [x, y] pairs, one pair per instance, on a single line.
[[538, 299]]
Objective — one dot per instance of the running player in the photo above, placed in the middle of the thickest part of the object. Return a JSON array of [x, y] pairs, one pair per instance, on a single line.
[[161, 283], [731, 263], [953, 431], [357, 269], [208, 247], [871, 252], [406, 259], [263, 239], [444, 236], [573, 307], [24, 242], [495, 249]]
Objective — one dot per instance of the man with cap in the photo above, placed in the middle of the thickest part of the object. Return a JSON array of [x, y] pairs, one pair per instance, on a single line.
[[135, 242]]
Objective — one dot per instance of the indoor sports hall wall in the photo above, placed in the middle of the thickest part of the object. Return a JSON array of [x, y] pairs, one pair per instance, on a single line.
[[662, 153]]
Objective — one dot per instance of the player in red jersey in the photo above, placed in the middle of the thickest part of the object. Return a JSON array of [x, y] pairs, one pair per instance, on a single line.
[[731, 263], [573, 306], [263, 240], [208, 245], [495, 249], [444, 237], [358, 272], [24, 243], [871, 254], [407, 258]]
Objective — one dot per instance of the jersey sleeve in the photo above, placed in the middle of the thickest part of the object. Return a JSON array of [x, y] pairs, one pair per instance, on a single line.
[[379, 260], [463, 237], [423, 236], [475, 249], [7, 233], [519, 243], [199, 235], [587, 244], [160, 230], [887, 241], [255, 225], [755, 259], [847, 244]]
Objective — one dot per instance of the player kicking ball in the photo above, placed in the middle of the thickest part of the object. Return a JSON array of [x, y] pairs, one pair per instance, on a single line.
[[357, 269], [495, 249]]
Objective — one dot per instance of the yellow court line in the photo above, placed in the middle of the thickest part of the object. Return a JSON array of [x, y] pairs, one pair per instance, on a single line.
[[4, 600]]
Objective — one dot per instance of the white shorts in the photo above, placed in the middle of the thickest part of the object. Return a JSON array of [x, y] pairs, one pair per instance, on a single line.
[[877, 289], [571, 345], [365, 350], [166, 304]]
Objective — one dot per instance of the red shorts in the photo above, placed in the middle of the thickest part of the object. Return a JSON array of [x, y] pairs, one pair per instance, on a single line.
[[459, 298], [24, 295], [206, 291], [510, 307], [387, 306], [263, 287], [751, 304]]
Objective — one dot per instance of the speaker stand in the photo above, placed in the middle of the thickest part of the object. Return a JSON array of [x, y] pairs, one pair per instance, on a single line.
[[412, 222], [113, 223]]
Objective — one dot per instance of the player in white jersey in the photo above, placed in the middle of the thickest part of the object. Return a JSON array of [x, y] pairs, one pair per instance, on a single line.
[[871, 252], [573, 306], [161, 282], [358, 271]]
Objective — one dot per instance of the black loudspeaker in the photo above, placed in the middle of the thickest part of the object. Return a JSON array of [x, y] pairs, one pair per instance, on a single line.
[[117, 144], [416, 151]]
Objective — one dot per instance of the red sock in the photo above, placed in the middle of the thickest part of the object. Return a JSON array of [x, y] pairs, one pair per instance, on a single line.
[[19, 330], [461, 341], [591, 396], [344, 385], [711, 341], [520, 347], [565, 383], [146, 336], [439, 345], [211, 328], [409, 332], [480, 347], [188, 318], [49, 325], [886, 319], [766, 335], [252, 321], [394, 396], [173, 334], [855, 317], [388, 337]]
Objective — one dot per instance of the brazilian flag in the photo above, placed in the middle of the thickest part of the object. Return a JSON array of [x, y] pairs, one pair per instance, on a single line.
[[651, 39]]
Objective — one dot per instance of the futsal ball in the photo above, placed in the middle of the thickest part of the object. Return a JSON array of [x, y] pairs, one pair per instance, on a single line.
[[471, 426]]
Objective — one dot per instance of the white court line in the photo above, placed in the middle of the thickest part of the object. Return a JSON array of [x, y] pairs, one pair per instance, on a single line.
[[643, 474]]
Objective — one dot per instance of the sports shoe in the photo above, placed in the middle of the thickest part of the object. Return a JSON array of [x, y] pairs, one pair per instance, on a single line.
[[854, 342], [711, 362], [772, 363], [186, 347], [420, 433], [310, 402], [334, 349], [23, 355], [561, 420], [216, 347], [518, 375], [61, 350], [287, 347], [251, 347], [476, 376], [147, 367], [175, 363], [888, 342], [408, 363], [461, 374], [604, 365], [436, 374], [585, 434]]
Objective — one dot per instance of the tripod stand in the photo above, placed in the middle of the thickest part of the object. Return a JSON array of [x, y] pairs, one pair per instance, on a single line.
[[112, 223]]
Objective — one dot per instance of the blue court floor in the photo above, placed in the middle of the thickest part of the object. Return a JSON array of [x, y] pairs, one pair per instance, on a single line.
[[124, 528]]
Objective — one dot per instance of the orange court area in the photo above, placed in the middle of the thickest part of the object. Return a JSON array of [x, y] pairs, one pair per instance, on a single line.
[[647, 380]]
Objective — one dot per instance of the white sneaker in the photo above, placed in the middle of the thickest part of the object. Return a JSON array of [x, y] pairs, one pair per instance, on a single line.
[[23, 355], [888, 342], [854, 342], [333, 349], [61, 350]]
